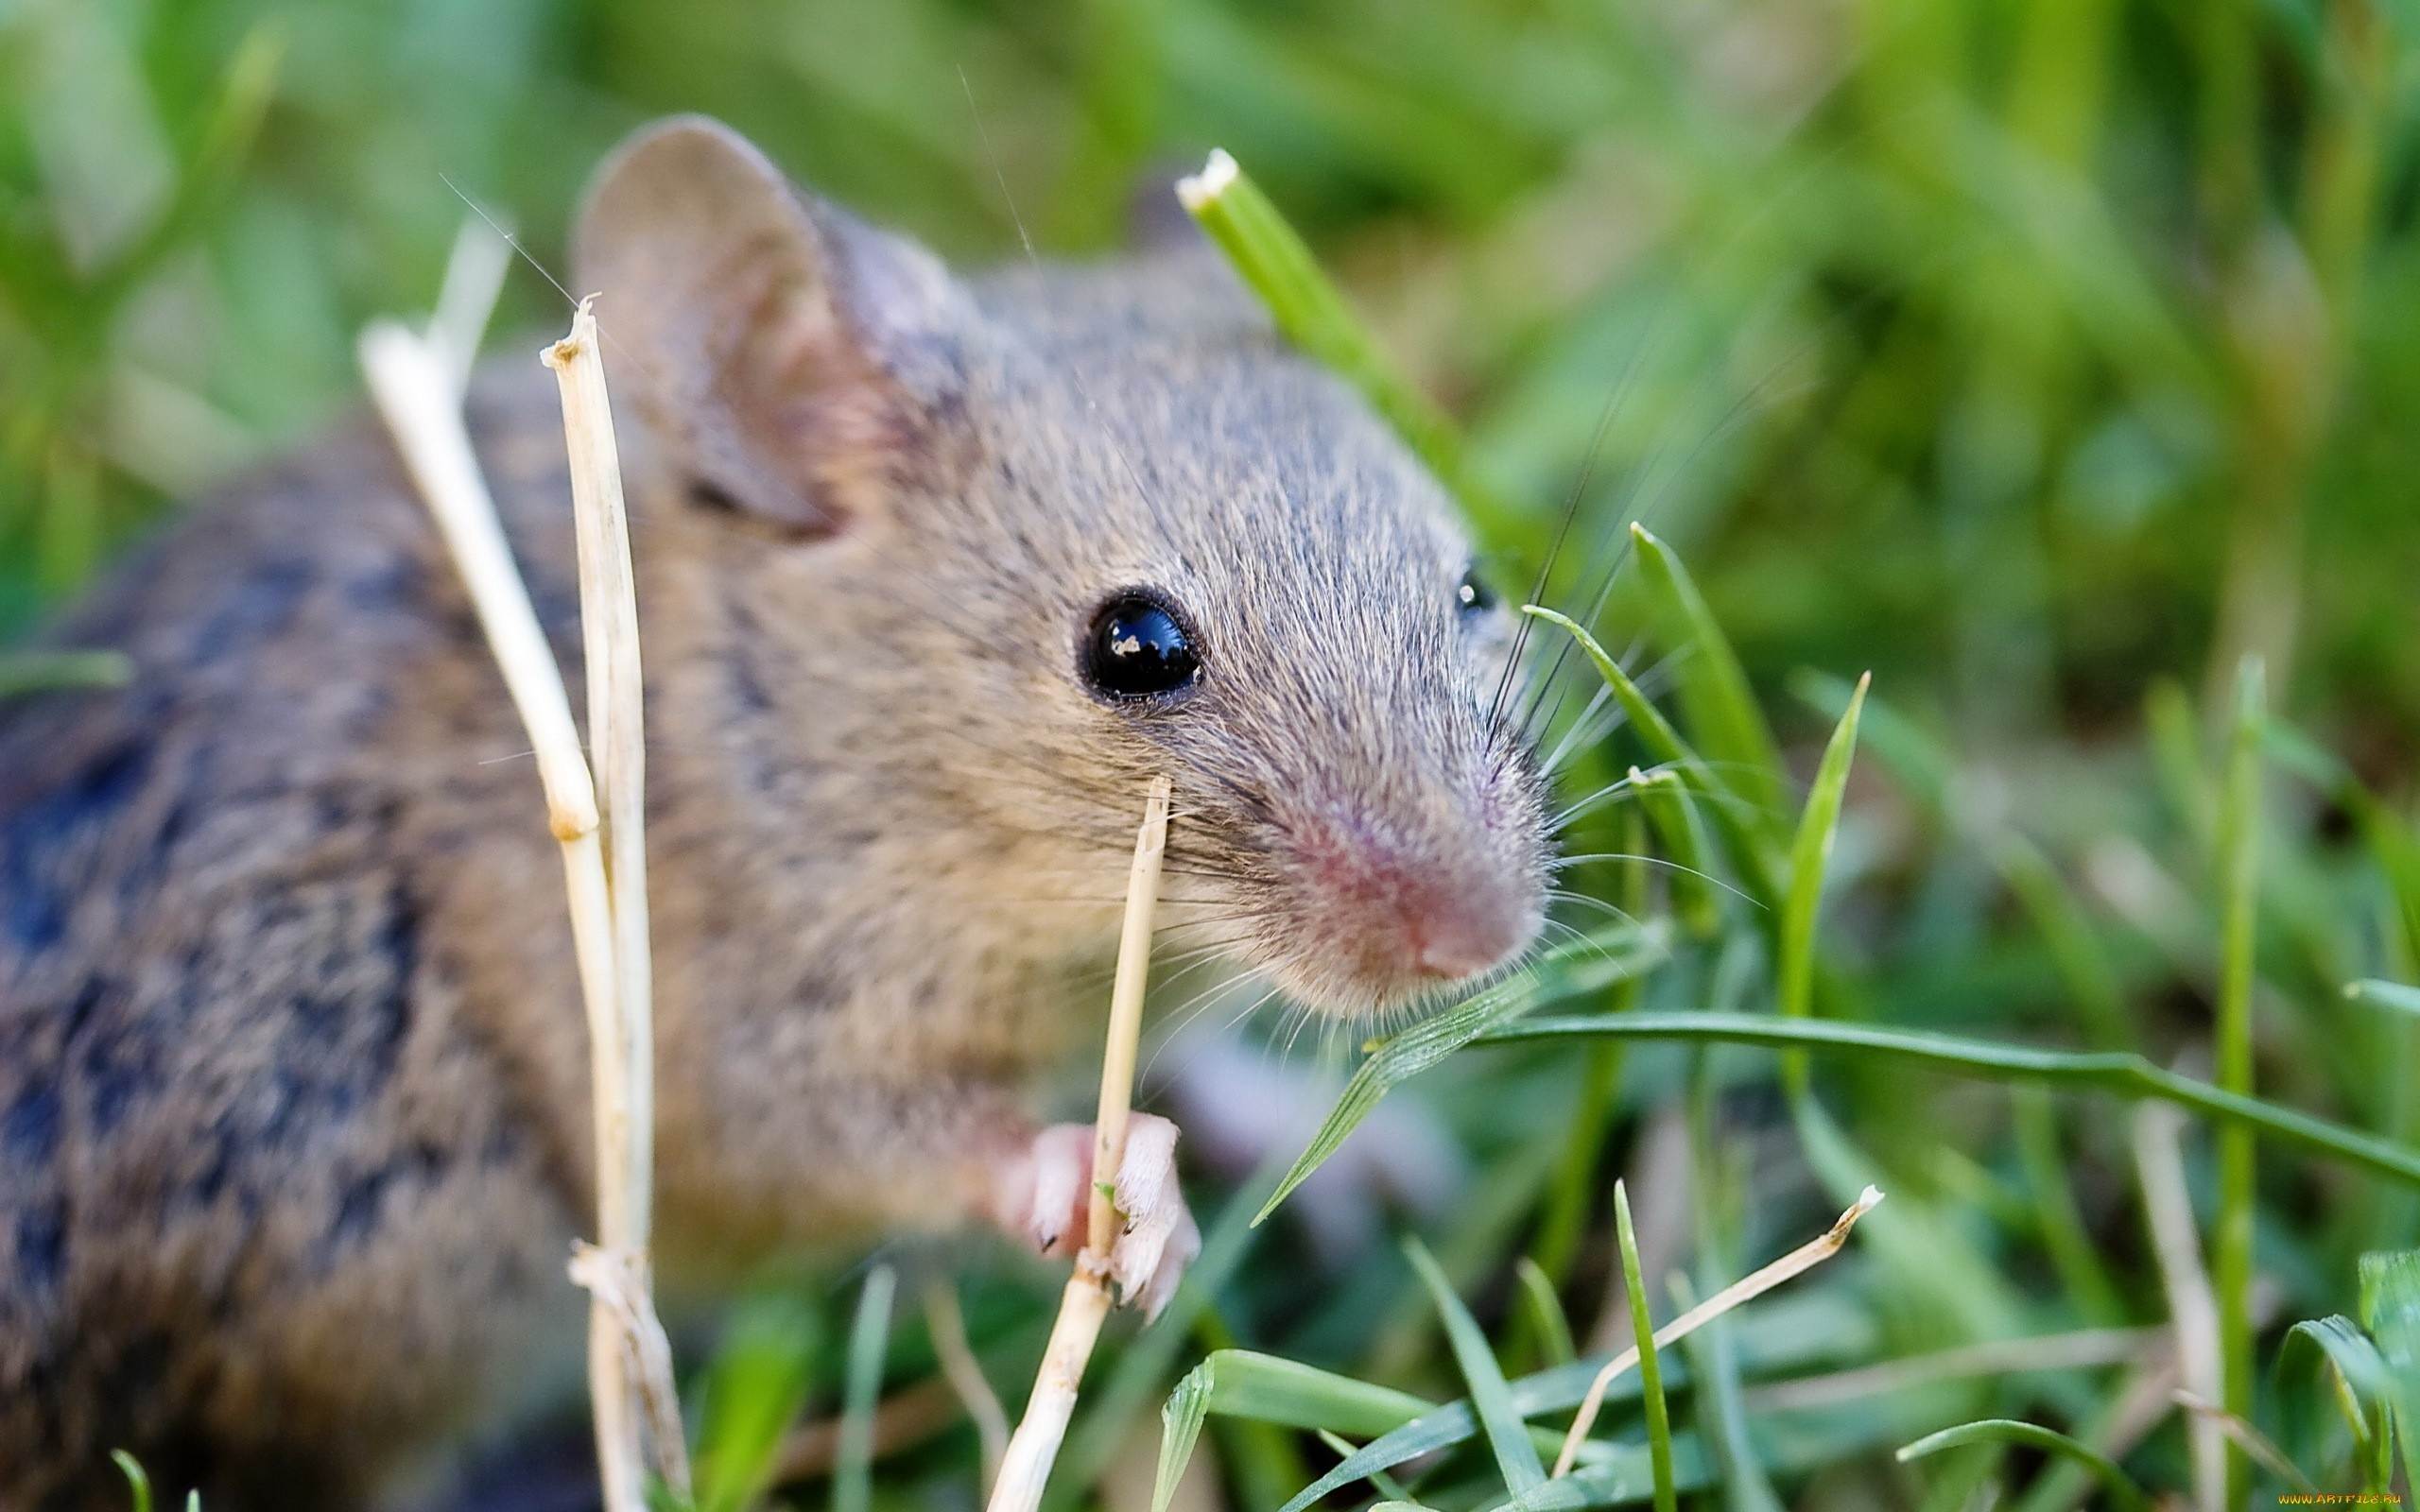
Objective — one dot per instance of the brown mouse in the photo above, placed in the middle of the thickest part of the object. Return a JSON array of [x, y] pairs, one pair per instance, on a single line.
[[934, 574]]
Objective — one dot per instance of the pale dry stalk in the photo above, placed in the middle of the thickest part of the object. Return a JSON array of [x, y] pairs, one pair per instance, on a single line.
[[2192, 1306], [1033, 1447], [1805, 1258], [416, 383]]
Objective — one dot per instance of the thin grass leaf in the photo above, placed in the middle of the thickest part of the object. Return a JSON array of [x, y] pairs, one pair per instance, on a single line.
[[2238, 841], [868, 1339], [1587, 964], [1574, 1185], [138, 1484], [2364, 1393], [1920, 763], [2120, 1071], [24, 672], [1243, 1383], [1714, 688], [2121, 1487], [2395, 995], [1515, 1457], [1181, 1421], [2176, 759], [2257, 1445], [1673, 816], [1926, 772], [1622, 1478], [1275, 264], [2390, 1313], [1745, 841], [760, 1376], [1651, 1371], [2072, 1252], [1810, 855], [1545, 1310], [1387, 1486], [2067, 932], [1546, 1391]]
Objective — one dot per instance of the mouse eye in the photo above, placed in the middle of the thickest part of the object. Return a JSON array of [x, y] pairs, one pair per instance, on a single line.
[[1138, 651], [1473, 593]]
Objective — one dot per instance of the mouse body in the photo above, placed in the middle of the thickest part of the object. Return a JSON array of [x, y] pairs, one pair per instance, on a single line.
[[935, 574]]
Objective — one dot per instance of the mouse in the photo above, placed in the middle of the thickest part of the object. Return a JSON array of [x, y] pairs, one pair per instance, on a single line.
[[936, 573]]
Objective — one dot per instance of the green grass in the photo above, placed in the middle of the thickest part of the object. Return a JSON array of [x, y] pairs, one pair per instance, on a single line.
[[2048, 360]]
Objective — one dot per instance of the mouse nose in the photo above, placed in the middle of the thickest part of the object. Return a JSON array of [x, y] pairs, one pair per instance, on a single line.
[[1453, 935], [1401, 915]]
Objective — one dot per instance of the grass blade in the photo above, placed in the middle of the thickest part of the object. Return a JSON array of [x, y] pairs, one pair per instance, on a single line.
[[1788, 1268], [2365, 1390], [2238, 840], [1808, 857], [761, 1375], [22, 672], [1585, 966], [1545, 1312], [1515, 1457], [1673, 816], [138, 1484], [2122, 1491], [2114, 1070], [1650, 1373], [869, 1338], [1745, 843], [1714, 688], [1242, 1384], [2386, 994], [2391, 1310], [1926, 772], [1274, 262], [1624, 1477]]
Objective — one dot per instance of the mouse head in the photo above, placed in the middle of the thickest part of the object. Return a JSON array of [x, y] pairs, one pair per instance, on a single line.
[[990, 555]]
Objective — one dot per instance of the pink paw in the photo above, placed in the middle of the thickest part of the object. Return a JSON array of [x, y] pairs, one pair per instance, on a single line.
[[1045, 1197]]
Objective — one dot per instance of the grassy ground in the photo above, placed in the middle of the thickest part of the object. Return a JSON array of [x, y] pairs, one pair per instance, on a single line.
[[2047, 359]]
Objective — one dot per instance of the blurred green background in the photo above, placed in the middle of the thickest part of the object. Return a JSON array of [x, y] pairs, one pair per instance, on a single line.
[[2044, 356], [2021, 350]]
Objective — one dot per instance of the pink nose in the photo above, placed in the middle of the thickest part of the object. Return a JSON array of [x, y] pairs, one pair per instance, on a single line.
[[1394, 915], [1452, 937]]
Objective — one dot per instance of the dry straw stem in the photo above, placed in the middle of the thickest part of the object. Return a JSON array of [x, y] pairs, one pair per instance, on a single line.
[[2192, 1306], [946, 1324], [416, 383], [1032, 1449], [1805, 1258], [623, 1327]]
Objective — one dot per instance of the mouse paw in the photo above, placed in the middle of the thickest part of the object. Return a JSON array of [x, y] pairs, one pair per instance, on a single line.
[[1049, 1200]]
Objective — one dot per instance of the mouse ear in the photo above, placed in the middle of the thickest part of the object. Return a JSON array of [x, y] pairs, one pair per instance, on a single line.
[[794, 361]]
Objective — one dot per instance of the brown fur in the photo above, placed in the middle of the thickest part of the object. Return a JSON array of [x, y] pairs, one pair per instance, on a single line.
[[293, 1089]]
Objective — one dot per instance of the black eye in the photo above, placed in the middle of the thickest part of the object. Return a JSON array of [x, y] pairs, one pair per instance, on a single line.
[[1138, 649], [1473, 593]]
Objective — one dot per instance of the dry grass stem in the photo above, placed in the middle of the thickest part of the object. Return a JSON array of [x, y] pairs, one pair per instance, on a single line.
[[622, 1021], [946, 1326], [2052, 1351], [473, 277], [2250, 1440], [1032, 1449], [417, 385], [905, 1418], [2192, 1306], [1805, 1258]]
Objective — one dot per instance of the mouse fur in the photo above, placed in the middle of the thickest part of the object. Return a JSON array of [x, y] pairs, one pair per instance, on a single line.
[[294, 1121]]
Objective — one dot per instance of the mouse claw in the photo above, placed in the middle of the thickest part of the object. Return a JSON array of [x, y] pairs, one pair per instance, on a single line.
[[1050, 1197], [1159, 1238], [1058, 1169]]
